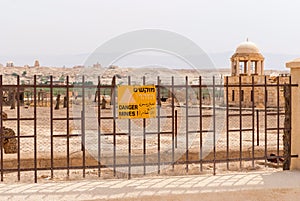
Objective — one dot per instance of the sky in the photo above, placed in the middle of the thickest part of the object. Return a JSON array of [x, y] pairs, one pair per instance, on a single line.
[[63, 28]]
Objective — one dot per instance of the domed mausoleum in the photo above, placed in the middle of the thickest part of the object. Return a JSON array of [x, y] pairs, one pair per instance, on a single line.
[[247, 60], [247, 69]]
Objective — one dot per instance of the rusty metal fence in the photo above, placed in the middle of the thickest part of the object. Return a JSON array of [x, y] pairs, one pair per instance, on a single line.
[[198, 126]]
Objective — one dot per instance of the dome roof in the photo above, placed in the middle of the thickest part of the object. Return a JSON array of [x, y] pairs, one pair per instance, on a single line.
[[247, 47]]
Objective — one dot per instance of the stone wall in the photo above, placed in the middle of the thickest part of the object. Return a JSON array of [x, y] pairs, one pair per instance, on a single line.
[[246, 93]]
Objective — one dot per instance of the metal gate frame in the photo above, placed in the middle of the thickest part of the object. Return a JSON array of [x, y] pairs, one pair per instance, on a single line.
[[173, 116]]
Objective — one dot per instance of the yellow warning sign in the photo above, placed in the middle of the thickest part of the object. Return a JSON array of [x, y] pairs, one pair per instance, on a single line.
[[136, 102]]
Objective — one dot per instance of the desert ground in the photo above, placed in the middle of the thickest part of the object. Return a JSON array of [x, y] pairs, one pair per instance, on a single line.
[[64, 147], [137, 156]]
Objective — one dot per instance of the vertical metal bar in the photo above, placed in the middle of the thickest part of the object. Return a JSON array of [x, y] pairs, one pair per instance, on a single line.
[[227, 124], [290, 109], [176, 122], [83, 126], [186, 125], [241, 120], [257, 127], [114, 125], [266, 126], [253, 119], [173, 121], [214, 124], [278, 119], [99, 126], [68, 128], [200, 123], [129, 141], [18, 125], [158, 125], [1, 128], [144, 136], [35, 129], [287, 126], [51, 124]]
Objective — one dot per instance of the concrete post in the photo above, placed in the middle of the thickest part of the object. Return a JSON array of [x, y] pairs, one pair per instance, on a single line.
[[295, 132]]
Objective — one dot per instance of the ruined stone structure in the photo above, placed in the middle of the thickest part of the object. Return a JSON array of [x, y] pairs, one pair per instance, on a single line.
[[97, 65], [10, 145], [36, 63], [247, 65], [10, 64]]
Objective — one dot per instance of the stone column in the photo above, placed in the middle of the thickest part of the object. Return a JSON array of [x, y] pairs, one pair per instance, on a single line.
[[233, 71], [262, 68], [295, 134], [237, 67], [258, 67], [249, 67]]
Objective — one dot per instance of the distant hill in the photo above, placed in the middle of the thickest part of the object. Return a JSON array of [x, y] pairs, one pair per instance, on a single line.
[[221, 60]]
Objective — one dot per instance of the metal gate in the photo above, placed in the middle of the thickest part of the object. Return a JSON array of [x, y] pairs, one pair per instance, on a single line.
[[200, 123]]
